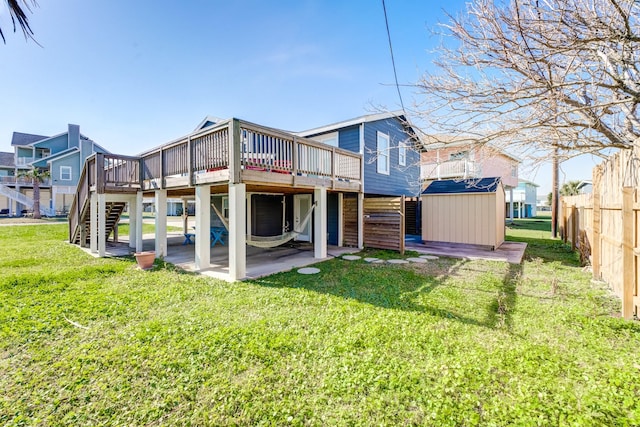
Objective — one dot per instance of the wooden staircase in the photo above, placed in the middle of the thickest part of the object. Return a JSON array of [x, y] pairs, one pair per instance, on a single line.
[[103, 174], [113, 212]]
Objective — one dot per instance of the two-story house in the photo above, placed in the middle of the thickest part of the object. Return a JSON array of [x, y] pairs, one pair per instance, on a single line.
[[525, 199], [462, 159], [259, 186], [63, 155]]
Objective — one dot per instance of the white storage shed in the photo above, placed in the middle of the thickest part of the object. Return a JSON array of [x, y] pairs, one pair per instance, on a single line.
[[470, 211]]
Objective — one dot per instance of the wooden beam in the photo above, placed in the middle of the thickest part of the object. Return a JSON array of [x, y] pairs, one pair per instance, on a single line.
[[596, 245], [628, 258], [235, 152]]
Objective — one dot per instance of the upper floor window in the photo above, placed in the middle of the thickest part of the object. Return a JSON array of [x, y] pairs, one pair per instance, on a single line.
[[459, 155], [514, 171], [329, 139], [65, 173], [382, 150], [402, 154]]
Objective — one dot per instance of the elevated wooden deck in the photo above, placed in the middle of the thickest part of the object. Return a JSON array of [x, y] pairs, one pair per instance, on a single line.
[[230, 152]]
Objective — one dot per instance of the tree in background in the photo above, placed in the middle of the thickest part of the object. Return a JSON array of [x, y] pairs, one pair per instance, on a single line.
[[538, 75], [37, 177], [17, 12], [570, 188]]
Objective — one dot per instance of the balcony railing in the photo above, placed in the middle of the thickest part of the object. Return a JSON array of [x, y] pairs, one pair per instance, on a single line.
[[19, 180], [450, 169], [24, 161]]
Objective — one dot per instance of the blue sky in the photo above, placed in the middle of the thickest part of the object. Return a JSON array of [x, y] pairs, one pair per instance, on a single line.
[[135, 74]]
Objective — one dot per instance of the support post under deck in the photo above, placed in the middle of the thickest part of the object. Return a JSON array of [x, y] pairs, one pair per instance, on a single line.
[[320, 223]]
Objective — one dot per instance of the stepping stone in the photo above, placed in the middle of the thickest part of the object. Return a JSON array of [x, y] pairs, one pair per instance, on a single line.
[[351, 257], [309, 270], [429, 257], [373, 260], [397, 261], [418, 260]]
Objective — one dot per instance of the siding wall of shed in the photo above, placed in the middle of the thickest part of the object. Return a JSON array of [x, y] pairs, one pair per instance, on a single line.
[[470, 218], [500, 217]]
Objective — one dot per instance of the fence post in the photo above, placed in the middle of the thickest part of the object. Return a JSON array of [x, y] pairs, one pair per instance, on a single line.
[[596, 245], [628, 261], [574, 227], [402, 223]]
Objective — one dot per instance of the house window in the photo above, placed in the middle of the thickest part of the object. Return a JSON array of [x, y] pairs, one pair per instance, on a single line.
[[65, 173], [383, 153], [329, 139], [402, 154], [225, 207], [514, 171], [459, 155]]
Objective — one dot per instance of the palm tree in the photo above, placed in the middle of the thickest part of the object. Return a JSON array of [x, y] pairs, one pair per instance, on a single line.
[[570, 188], [17, 12], [37, 177]]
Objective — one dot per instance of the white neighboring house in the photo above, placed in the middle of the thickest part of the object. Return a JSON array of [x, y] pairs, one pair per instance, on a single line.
[[525, 199]]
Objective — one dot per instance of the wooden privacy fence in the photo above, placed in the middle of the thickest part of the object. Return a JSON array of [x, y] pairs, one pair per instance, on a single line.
[[384, 223], [604, 226]]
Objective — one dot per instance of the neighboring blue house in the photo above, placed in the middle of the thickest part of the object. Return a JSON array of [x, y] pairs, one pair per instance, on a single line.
[[63, 155], [391, 161]]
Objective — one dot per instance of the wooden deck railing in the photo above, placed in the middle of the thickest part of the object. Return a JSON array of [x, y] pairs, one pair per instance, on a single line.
[[232, 145], [82, 195], [268, 149], [254, 148]]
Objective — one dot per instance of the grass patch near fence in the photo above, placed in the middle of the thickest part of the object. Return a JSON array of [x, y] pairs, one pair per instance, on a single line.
[[452, 342]]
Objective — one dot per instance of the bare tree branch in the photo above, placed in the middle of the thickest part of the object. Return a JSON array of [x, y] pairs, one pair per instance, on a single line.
[[534, 75]]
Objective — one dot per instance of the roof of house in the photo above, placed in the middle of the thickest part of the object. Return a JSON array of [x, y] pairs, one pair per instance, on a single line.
[[526, 181], [435, 142], [351, 122], [42, 162], [7, 159], [20, 138], [208, 121], [457, 186]]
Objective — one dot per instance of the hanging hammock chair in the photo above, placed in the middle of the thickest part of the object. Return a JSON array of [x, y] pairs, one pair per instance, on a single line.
[[270, 241]]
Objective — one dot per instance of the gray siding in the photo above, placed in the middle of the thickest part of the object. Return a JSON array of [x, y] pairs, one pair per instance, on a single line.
[[73, 161], [349, 139], [401, 179], [56, 144], [332, 218]]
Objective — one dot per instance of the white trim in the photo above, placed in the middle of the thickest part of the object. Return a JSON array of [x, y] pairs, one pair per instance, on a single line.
[[386, 156], [402, 153], [72, 150], [70, 170], [351, 122]]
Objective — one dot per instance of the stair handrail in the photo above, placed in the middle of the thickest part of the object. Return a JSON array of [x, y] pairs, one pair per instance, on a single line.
[[82, 192]]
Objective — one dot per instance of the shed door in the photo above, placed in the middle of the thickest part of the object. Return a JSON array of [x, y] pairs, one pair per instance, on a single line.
[[301, 207]]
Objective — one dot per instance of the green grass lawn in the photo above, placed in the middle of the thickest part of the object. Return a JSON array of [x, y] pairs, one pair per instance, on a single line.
[[87, 341]]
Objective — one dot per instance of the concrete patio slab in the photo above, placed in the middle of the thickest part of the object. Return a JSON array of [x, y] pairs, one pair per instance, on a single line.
[[260, 262], [511, 252]]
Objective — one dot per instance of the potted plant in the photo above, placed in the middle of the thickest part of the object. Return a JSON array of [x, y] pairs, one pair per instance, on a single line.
[[145, 259]]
